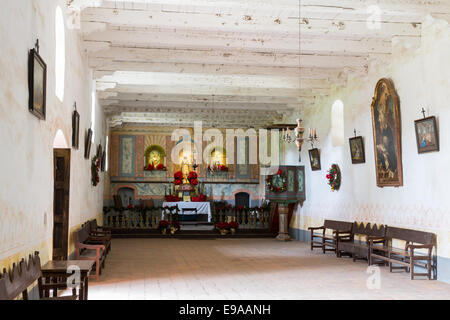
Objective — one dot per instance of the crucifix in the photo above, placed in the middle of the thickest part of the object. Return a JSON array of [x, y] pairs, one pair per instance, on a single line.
[[36, 46], [423, 112]]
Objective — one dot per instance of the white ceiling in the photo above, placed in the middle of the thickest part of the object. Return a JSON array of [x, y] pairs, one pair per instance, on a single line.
[[235, 63]]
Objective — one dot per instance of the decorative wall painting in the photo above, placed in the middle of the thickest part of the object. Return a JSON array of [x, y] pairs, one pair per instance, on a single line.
[[387, 135]]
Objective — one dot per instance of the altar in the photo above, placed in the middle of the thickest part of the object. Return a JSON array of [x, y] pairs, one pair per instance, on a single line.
[[191, 208]]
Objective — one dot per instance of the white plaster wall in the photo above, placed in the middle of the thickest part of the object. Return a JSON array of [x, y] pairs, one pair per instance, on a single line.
[[421, 77], [26, 143]]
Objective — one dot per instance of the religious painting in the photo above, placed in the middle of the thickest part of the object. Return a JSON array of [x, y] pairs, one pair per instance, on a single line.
[[37, 84], [314, 158], [87, 145], [103, 162], [75, 129], [427, 135], [387, 135], [357, 150]]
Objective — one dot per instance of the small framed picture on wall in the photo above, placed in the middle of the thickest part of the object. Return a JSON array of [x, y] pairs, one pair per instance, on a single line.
[[427, 135], [75, 129], [37, 84], [314, 158], [357, 150], [88, 142]]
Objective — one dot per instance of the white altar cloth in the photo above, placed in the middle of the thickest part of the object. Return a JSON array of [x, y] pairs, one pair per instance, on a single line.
[[202, 207]]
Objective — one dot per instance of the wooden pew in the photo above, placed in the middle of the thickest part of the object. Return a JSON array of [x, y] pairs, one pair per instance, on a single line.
[[21, 277], [360, 249], [88, 251], [408, 257], [341, 231]]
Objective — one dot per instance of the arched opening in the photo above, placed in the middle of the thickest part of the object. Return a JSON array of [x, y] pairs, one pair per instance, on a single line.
[[60, 141], [60, 54], [337, 123], [242, 199]]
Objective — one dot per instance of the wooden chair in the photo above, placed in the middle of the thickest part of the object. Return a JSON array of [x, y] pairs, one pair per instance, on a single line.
[[341, 231], [360, 249], [89, 251], [16, 283], [408, 257]]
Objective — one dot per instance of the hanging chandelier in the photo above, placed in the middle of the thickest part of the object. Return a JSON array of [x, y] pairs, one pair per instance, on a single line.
[[296, 137]]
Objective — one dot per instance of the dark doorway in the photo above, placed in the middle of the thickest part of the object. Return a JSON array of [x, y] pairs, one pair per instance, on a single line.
[[242, 199], [61, 163]]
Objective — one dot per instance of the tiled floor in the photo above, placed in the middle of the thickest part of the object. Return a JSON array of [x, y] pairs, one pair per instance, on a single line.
[[244, 269]]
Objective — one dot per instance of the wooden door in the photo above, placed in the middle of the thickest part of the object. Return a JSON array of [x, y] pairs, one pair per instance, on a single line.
[[61, 163]]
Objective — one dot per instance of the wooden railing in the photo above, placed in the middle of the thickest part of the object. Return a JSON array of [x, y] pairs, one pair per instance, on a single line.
[[248, 218], [139, 217]]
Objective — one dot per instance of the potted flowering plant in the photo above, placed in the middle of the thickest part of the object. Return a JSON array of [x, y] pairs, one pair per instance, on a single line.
[[223, 227], [162, 226], [149, 167], [233, 226], [175, 227]]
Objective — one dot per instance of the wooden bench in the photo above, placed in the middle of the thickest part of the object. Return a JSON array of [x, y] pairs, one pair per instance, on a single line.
[[408, 257], [341, 232], [98, 235], [16, 283], [86, 250], [360, 249]]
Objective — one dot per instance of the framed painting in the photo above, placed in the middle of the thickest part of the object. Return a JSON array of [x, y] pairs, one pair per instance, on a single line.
[[387, 135], [314, 158], [75, 129], [37, 84], [103, 162], [99, 153], [87, 146], [427, 135], [357, 150]]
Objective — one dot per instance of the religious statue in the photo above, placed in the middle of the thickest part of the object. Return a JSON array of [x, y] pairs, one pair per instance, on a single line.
[[185, 168]]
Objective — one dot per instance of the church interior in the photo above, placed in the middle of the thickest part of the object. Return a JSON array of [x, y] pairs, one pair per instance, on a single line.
[[224, 149]]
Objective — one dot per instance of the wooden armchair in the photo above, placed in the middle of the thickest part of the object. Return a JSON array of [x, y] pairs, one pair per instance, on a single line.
[[16, 283], [89, 251]]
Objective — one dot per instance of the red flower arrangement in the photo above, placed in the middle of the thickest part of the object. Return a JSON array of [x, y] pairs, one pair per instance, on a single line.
[[178, 176], [222, 225], [193, 178], [233, 225], [199, 198], [220, 167], [176, 224], [171, 198], [163, 224], [151, 167]]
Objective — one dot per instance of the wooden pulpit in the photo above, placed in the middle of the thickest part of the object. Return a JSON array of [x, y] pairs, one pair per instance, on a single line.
[[285, 190]]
